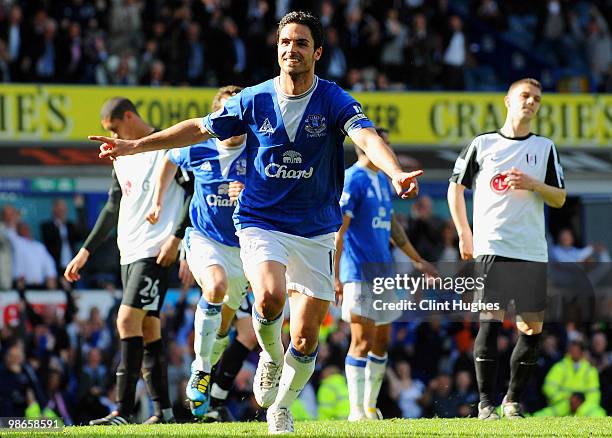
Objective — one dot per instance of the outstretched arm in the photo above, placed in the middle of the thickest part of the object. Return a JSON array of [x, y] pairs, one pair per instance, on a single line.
[[405, 183], [182, 134]]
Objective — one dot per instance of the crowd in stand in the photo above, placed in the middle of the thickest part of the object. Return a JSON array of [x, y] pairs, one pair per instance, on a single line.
[[55, 364], [370, 45]]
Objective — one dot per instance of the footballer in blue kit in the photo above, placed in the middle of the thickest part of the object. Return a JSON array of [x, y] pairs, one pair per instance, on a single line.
[[363, 253], [212, 251], [289, 209]]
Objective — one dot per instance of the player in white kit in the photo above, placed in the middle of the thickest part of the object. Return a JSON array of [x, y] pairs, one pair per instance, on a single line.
[[147, 251], [513, 173]]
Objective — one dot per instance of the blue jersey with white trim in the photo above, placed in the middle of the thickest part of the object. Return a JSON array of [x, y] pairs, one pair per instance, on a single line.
[[214, 167], [295, 155], [366, 198]]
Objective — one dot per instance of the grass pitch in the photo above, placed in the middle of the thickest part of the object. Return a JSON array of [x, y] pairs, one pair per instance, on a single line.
[[529, 427]]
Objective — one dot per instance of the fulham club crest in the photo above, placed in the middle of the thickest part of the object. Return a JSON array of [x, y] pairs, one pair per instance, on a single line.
[[499, 184]]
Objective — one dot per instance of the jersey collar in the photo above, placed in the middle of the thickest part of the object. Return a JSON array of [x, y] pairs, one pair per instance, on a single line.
[[524, 137], [300, 96]]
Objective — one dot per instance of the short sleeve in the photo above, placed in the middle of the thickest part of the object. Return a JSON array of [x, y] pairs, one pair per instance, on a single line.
[[349, 201], [180, 156], [466, 165], [228, 121], [350, 115], [554, 171]]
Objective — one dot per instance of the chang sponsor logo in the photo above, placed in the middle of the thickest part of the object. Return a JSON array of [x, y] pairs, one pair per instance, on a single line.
[[281, 171], [379, 222], [220, 199]]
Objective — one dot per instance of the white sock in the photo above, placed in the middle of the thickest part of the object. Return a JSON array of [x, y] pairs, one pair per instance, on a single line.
[[268, 334], [218, 348], [354, 368], [296, 371], [206, 324], [374, 374]]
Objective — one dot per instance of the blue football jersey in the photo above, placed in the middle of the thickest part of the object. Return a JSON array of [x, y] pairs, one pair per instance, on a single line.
[[213, 167], [295, 157], [366, 198]]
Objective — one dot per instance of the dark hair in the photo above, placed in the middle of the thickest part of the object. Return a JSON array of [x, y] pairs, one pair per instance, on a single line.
[[116, 107], [529, 81], [307, 19], [228, 90]]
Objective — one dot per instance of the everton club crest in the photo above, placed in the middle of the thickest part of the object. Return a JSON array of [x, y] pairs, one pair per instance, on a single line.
[[315, 125]]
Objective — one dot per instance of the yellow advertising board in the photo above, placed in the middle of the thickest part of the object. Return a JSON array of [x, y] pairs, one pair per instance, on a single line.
[[47, 113], [71, 113]]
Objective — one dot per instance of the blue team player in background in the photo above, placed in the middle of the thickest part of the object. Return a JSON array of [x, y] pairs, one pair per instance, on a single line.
[[212, 250], [363, 252], [287, 214]]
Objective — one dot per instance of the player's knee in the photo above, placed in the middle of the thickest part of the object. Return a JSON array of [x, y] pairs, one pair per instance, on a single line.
[[360, 346], [530, 329], [150, 333], [305, 342], [215, 292], [128, 326], [269, 304]]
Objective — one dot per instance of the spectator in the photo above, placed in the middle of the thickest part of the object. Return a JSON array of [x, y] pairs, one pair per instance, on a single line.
[[455, 56], [464, 395], [437, 398], [72, 56], [450, 243], [6, 259], [93, 385], [61, 235], [11, 217], [490, 12], [335, 60], [573, 374], [123, 69], [125, 25], [46, 61], [407, 391], [193, 58], [155, 77], [95, 334], [425, 229], [333, 395], [565, 250], [19, 382], [236, 54], [599, 356], [15, 36], [58, 401], [394, 43], [423, 51], [39, 270]]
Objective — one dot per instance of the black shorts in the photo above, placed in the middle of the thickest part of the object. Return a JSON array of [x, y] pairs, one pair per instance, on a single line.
[[507, 279], [145, 284]]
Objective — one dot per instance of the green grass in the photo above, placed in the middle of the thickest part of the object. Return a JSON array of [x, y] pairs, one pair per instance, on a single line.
[[532, 427]]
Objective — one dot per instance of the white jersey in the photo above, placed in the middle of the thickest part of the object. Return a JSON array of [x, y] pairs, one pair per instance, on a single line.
[[508, 223], [137, 175]]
